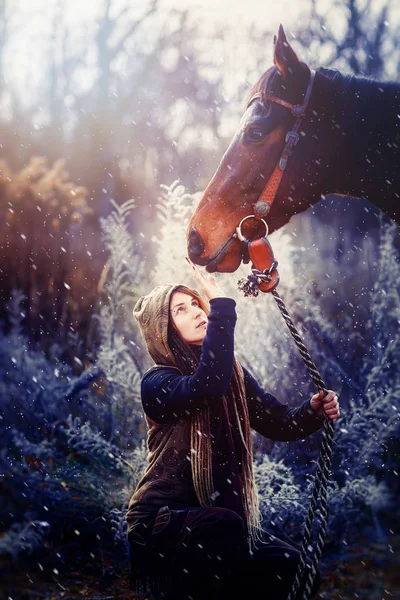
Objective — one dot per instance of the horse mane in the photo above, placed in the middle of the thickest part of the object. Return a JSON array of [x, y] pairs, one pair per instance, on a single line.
[[348, 81], [359, 94], [343, 82]]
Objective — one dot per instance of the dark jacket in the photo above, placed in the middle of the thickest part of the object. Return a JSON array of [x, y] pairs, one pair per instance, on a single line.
[[170, 399]]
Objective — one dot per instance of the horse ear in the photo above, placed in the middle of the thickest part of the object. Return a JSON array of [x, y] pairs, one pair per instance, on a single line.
[[285, 57]]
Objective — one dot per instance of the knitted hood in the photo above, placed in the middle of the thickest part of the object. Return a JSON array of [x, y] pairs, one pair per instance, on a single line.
[[152, 313]]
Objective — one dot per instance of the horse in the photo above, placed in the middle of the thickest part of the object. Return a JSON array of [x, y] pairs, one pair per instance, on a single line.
[[303, 134]]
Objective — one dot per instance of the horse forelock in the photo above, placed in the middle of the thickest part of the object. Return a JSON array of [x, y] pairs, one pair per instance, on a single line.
[[262, 85]]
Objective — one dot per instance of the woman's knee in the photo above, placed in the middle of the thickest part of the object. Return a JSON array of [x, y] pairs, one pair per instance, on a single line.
[[228, 520], [223, 533]]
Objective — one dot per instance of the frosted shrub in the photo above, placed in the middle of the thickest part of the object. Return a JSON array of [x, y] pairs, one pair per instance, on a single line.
[[39, 255], [120, 356], [24, 538], [137, 461], [61, 430], [282, 498]]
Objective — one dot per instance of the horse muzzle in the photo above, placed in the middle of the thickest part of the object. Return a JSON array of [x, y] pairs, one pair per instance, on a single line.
[[196, 248]]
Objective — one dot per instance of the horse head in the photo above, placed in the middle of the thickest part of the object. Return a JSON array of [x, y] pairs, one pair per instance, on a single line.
[[348, 144], [248, 164]]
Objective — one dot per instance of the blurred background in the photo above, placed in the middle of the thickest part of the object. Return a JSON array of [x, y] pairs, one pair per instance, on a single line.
[[114, 115]]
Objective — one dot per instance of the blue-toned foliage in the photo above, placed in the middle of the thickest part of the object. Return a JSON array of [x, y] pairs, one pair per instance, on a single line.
[[24, 538], [69, 437]]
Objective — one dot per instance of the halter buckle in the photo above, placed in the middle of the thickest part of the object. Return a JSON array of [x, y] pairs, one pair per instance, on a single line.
[[283, 163], [297, 110], [292, 135]]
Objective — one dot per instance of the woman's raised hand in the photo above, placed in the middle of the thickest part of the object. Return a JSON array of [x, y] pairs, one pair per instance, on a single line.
[[208, 285]]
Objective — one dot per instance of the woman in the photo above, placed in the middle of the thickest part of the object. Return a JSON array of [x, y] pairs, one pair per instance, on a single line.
[[193, 520]]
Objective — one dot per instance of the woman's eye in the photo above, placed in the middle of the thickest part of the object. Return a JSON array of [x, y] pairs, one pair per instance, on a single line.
[[255, 135]]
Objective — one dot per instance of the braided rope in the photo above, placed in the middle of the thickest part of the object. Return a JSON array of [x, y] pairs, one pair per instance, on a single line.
[[312, 369], [321, 475], [250, 286]]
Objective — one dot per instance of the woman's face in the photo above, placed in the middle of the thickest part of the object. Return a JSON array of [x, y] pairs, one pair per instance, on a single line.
[[189, 319]]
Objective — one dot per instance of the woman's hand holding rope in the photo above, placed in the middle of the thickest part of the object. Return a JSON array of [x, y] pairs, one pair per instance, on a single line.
[[326, 404]]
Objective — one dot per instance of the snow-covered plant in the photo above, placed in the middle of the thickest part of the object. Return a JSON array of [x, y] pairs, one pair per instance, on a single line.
[[357, 505], [59, 429], [24, 538], [119, 355], [282, 498], [87, 443], [119, 527], [174, 209], [30, 387]]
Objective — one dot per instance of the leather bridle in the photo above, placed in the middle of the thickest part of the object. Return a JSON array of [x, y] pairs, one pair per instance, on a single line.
[[263, 205]]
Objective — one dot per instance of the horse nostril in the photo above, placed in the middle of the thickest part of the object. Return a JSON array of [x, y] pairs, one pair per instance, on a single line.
[[195, 243]]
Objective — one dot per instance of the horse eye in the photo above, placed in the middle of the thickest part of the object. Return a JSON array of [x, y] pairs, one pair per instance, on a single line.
[[255, 135]]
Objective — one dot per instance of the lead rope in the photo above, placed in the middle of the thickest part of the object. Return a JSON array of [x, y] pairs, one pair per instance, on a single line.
[[321, 475], [251, 286]]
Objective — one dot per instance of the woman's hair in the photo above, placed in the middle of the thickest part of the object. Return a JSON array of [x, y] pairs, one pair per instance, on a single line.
[[187, 357]]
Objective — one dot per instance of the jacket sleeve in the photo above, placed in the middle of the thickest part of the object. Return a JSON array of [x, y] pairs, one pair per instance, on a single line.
[[278, 421], [167, 395]]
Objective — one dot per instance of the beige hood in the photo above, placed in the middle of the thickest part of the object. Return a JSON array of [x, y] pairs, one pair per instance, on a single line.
[[152, 313]]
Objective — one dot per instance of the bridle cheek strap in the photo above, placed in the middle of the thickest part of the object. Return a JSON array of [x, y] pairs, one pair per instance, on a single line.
[[263, 205], [260, 253]]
